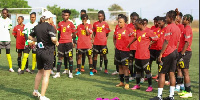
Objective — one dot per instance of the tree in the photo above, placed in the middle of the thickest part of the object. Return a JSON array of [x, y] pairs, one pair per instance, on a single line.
[[92, 16], [15, 4], [114, 7]]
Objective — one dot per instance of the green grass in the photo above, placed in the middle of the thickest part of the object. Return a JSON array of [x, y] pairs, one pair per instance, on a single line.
[[85, 87]]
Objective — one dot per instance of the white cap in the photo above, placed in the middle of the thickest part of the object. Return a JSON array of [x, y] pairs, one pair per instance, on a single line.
[[47, 14]]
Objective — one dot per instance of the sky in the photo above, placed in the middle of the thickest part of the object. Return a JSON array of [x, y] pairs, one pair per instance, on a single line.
[[145, 8]]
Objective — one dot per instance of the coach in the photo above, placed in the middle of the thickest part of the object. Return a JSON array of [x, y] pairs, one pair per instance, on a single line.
[[46, 39]]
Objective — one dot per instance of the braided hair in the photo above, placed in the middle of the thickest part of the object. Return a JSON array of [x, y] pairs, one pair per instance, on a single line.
[[123, 16], [188, 17]]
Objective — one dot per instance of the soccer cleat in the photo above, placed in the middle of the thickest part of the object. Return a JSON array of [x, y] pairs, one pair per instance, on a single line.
[[54, 68], [155, 77], [136, 87], [36, 94], [94, 71], [91, 73], [65, 72], [70, 75], [57, 75], [167, 83], [115, 73], [19, 69], [44, 98], [100, 68], [126, 86], [78, 73], [21, 72], [149, 89], [32, 71], [131, 79], [120, 84], [142, 80], [156, 98], [11, 70], [168, 98], [82, 70], [186, 95], [52, 73], [106, 71], [76, 70], [182, 93], [27, 70]]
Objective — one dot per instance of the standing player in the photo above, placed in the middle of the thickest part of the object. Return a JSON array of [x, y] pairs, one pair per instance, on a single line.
[[66, 30], [84, 44], [46, 38], [134, 16], [185, 53], [20, 40], [29, 45], [100, 34], [168, 56], [142, 55], [5, 26], [121, 41]]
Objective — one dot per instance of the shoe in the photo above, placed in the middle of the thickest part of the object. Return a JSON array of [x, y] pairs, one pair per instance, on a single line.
[[78, 73], [19, 69], [94, 71], [168, 98], [176, 90], [57, 75], [54, 68], [100, 68], [27, 70], [36, 94], [32, 71], [52, 73], [155, 77], [44, 98], [76, 70], [11, 70], [91, 73], [120, 84], [126, 86], [167, 83], [82, 70], [155, 98], [70, 75], [115, 73], [136, 87], [145, 79], [187, 95], [65, 72], [106, 71], [21, 72], [149, 89], [131, 79], [142, 80], [182, 93]]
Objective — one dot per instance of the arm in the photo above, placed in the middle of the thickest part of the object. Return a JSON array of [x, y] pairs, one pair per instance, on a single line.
[[54, 40], [185, 47], [32, 38], [131, 42], [114, 40], [163, 50]]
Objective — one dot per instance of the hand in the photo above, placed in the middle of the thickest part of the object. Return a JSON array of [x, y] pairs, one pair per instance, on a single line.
[[57, 43], [30, 44], [159, 58], [128, 46], [179, 56]]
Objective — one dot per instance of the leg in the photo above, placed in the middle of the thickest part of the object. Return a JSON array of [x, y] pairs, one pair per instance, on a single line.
[[172, 83], [83, 60], [90, 63], [187, 80], [101, 60], [105, 63], [79, 62], [66, 59], [45, 82], [33, 59], [95, 60], [71, 64], [19, 58], [38, 78], [9, 59], [121, 76]]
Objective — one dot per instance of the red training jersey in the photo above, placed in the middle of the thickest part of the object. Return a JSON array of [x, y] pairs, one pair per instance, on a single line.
[[160, 34], [153, 27], [101, 29], [143, 41], [66, 29], [84, 41], [172, 35], [186, 35], [20, 39], [154, 45], [134, 44], [122, 36]]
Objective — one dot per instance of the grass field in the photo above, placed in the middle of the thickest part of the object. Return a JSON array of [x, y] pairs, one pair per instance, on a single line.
[[85, 87]]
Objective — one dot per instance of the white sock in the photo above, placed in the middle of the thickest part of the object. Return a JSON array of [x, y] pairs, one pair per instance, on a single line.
[[160, 92], [35, 90], [178, 86], [182, 85], [171, 91]]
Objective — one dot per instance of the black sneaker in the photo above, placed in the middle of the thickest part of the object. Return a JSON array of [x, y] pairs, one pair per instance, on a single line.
[[21, 72], [168, 98], [32, 72], [156, 98]]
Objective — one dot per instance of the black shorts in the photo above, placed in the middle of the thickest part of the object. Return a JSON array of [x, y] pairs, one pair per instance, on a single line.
[[27, 49], [88, 52], [168, 63], [65, 50], [121, 57], [19, 50], [132, 54], [100, 49], [142, 64], [45, 59], [154, 54], [186, 60]]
